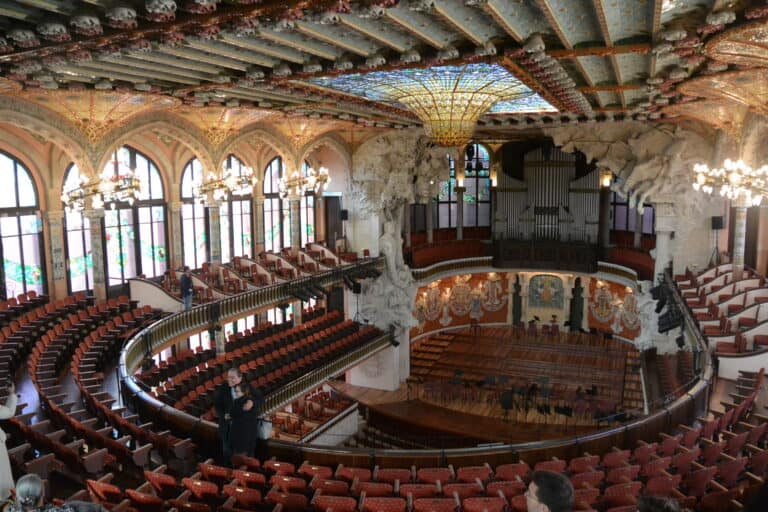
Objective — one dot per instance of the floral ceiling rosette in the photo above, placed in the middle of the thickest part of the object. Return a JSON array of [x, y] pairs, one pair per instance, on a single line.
[[218, 123]]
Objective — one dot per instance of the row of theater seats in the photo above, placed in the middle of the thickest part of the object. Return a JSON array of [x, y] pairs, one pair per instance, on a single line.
[[12, 308], [727, 310], [706, 468], [675, 372]]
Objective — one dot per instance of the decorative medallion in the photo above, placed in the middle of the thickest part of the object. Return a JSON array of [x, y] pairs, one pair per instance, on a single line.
[[545, 291], [602, 306], [460, 300], [748, 87], [97, 112], [492, 295], [746, 45], [630, 315], [725, 115], [218, 123], [433, 303]]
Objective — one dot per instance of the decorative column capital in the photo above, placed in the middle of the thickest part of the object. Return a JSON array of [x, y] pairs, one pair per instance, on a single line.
[[459, 190], [666, 219], [176, 206], [54, 215], [94, 214]]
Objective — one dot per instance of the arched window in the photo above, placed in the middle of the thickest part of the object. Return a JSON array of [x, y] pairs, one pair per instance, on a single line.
[[277, 213], [307, 213], [20, 230], [477, 197], [135, 234], [77, 241], [236, 219], [193, 225]]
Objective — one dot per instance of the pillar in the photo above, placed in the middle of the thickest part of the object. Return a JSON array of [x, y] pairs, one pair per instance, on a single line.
[[295, 203], [214, 233], [460, 166], [430, 221], [96, 217], [665, 226], [739, 237], [407, 224], [637, 243], [320, 228], [460, 212], [297, 313], [258, 224], [604, 222], [57, 281], [176, 259]]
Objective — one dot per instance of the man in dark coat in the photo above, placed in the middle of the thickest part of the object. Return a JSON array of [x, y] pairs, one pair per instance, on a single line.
[[224, 401], [185, 284]]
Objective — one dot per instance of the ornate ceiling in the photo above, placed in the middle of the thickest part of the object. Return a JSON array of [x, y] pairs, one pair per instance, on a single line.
[[242, 58]]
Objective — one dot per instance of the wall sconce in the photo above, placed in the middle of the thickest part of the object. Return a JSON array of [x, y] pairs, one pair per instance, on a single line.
[[606, 177]]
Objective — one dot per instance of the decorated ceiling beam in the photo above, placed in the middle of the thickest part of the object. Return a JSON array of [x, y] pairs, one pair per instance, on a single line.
[[600, 51]]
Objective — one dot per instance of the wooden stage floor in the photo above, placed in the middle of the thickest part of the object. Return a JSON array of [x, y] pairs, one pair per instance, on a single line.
[[452, 423]]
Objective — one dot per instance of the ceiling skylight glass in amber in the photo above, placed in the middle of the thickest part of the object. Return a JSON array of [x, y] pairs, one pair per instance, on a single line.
[[448, 99]]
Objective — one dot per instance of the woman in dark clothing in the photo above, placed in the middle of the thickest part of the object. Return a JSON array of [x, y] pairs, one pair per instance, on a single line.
[[243, 425]]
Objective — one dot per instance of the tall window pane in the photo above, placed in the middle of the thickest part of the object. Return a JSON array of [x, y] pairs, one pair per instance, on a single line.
[[276, 214], [193, 233], [477, 196], [307, 213], [236, 218], [20, 230], [77, 240], [135, 233]]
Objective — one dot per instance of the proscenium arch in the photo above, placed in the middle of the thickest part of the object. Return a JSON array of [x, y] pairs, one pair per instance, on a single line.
[[275, 142], [174, 126]]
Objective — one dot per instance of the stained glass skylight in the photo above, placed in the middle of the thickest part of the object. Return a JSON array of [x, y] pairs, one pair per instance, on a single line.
[[448, 99]]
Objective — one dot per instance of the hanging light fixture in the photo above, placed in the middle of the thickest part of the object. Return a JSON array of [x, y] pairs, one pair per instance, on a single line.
[[295, 185], [735, 180], [231, 182], [108, 188]]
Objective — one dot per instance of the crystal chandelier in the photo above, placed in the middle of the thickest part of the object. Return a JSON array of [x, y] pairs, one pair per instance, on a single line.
[[109, 188], [296, 185], [735, 180], [237, 183]]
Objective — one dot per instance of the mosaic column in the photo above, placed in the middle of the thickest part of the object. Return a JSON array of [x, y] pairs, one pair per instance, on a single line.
[[258, 224], [297, 313], [739, 237], [295, 203], [320, 228], [57, 281], [430, 221], [214, 233], [177, 254], [96, 217]]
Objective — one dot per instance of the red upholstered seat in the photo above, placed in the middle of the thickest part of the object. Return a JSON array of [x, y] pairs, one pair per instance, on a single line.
[[519, 503], [320, 471], [164, 485], [587, 479], [472, 473], [511, 471], [288, 483], [557, 466], [281, 468], [330, 487], [289, 501], [583, 499], [245, 497], [335, 503], [622, 474], [384, 505], [145, 502], [434, 505], [509, 488], [418, 490], [483, 504], [104, 492], [374, 489], [350, 473], [432, 475], [622, 494], [201, 489], [662, 485], [583, 464], [462, 490], [392, 474], [249, 478]]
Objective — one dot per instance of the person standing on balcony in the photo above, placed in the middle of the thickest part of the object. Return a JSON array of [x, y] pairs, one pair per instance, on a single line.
[[187, 290], [7, 411]]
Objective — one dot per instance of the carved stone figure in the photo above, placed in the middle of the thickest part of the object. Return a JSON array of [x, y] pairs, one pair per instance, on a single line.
[[53, 32], [161, 10], [121, 17], [86, 25], [24, 38]]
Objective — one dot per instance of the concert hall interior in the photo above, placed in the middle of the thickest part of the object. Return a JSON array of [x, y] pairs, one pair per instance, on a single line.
[[450, 242]]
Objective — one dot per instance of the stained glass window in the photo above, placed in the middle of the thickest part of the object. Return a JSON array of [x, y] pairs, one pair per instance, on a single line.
[[20, 231], [77, 240], [236, 219], [277, 213], [307, 213], [477, 196], [135, 235], [193, 233]]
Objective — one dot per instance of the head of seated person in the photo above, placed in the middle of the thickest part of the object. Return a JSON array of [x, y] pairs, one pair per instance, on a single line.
[[549, 492]]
